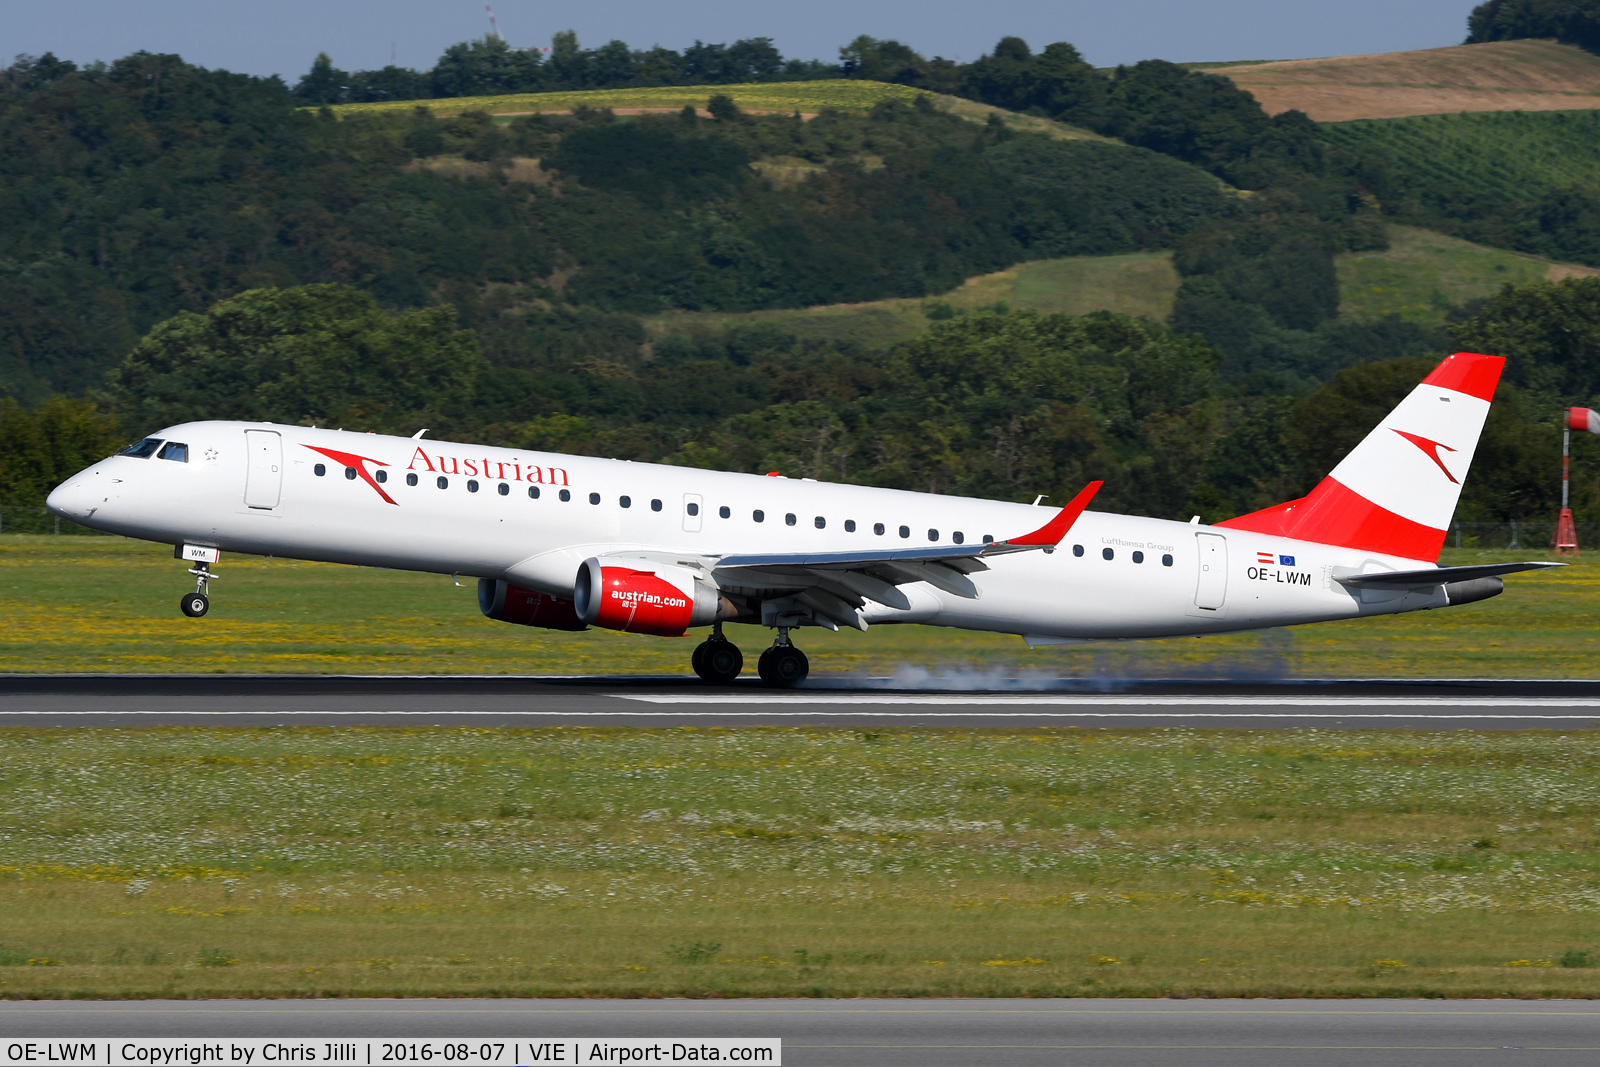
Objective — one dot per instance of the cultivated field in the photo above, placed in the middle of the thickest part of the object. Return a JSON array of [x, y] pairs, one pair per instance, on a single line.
[[107, 604], [1500, 76], [1509, 157], [1423, 274], [770, 97], [306, 862]]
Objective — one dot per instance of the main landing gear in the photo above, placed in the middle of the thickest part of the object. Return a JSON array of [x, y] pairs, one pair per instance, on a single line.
[[716, 659], [196, 604], [783, 666], [719, 661]]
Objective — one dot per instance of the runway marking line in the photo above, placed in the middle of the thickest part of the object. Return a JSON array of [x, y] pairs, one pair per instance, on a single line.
[[1087, 700], [1446, 1008]]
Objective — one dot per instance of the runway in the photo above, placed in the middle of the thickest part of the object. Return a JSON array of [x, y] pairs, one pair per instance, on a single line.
[[925, 1033], [311, 700]]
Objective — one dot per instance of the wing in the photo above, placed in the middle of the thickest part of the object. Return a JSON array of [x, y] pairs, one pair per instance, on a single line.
[[833, 587]]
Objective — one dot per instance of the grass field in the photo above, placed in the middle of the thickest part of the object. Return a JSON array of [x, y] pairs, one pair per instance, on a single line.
[[108, 604], [715, 862], [1499, 76], [1422, 274], [785, 97], [1136, 284]]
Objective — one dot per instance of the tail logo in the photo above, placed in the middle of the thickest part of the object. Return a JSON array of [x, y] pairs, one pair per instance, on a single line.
[[1431, 448]]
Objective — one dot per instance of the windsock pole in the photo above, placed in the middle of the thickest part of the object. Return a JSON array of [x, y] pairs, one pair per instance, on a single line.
[[1566, 539]]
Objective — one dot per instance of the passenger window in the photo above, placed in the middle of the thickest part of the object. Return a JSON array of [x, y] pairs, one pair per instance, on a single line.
[[503, 489], [725, 511], [1077, 550], [988, 539], [759, 515], [933, 535], [1138, 557], [820, 523], [655, 505], [319, 470], [692, 508], [383, 476], [472, 485], [905, 531], [533, 492], [788, 520], [443, 482], [142, 449], [958, 537], [1106, 553], [849, 526], [877, 528], [565, 495], [594, 498], [1166, 561], [625, 501], [349, 474], [411, 479], [174, 451]]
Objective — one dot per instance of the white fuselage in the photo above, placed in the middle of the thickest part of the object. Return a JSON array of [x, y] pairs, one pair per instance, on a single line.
[[1114, 576]]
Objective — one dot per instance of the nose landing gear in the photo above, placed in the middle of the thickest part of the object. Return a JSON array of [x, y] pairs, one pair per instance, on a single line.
[[197, 603], [716, 659], [783, 666]]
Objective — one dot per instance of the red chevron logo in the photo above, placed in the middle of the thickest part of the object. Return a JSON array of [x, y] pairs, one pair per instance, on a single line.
[[359, 463], [1431, 448]]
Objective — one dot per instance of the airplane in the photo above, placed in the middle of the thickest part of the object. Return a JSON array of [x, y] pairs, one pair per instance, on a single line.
[[568, 542]]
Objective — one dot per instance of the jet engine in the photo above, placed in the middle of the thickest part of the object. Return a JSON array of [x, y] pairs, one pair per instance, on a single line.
[[641, 597], [504, 602]]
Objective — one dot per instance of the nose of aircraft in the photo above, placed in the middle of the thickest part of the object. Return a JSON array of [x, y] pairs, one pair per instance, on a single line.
[[76, 497]]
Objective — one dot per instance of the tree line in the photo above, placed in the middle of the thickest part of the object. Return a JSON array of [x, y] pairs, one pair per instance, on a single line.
[[990, 404]]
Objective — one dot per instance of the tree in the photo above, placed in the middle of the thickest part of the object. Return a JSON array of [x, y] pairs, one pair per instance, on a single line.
[[42, 448], [488, 66], [320, 354], [323, 83], [1549, 333]]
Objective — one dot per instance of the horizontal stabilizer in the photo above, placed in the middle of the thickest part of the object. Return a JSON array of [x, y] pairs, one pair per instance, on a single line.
[[1438, 575]]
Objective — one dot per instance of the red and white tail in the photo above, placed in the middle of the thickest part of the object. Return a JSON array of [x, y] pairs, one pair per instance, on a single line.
[[1396, 491]]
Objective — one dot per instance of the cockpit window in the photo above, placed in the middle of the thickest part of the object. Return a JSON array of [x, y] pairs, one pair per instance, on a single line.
[[143, 450], [174, 451]]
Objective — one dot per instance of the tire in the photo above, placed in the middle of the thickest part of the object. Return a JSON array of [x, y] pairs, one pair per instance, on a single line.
[[697, 659], [194, 605], [783, 667], [721, 663]]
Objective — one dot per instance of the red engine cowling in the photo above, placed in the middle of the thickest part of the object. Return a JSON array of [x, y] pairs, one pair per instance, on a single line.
[[504, 602], [641, 597]]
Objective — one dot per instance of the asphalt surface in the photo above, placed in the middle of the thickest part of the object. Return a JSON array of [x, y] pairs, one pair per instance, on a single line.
[[926, 1033], [266, 700]]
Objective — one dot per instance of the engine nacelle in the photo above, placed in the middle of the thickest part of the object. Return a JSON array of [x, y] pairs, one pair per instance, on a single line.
[[641, 597], [504, 602]]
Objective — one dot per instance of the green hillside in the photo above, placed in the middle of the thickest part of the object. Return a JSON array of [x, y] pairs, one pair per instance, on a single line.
[[1420, 277]]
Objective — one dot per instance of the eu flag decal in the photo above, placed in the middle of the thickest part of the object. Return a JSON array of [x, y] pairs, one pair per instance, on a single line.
[[1286, 561]]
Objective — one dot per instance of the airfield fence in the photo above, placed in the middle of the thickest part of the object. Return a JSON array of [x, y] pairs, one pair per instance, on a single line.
[[21, 519]]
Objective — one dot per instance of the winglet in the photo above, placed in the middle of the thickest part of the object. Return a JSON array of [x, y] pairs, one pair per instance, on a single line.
[[1053, 531]]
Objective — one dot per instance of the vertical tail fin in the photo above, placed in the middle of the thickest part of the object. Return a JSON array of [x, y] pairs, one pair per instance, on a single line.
[[1396, 491]]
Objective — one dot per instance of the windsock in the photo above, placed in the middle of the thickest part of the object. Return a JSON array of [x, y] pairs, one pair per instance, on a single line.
[[1584, 420]]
